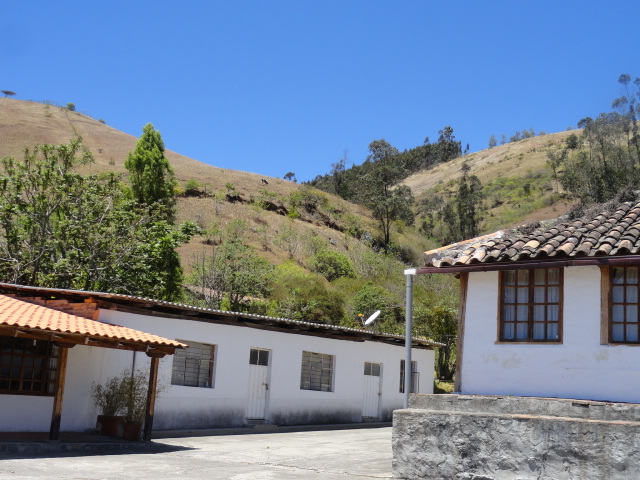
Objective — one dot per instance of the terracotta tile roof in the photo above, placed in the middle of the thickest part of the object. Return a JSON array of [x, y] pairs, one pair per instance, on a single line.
[[16, 312], [610, 231]]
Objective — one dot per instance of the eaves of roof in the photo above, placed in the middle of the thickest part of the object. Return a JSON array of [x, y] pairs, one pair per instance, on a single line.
[[163, 308]]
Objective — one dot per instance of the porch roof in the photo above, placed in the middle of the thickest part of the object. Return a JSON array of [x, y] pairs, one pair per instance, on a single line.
[[34, 318]]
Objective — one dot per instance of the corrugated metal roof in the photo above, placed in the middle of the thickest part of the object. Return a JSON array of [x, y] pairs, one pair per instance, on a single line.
[[177, 308]]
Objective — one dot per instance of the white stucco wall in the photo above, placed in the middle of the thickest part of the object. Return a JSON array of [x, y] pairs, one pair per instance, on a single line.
[[579, 368], [226, 403]]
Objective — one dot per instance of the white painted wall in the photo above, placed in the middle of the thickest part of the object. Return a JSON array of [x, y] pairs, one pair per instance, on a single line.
[[225, 404], [579, 368]]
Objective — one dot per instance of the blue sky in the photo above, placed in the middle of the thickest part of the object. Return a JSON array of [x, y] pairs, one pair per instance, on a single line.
[[277, 86]]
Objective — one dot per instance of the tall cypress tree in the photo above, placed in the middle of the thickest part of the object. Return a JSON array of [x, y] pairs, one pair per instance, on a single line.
[[152, 178]]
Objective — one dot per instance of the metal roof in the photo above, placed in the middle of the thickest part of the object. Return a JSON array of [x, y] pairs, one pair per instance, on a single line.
[[154, 307]]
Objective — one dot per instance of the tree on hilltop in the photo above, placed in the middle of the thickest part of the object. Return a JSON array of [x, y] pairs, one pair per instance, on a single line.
[[8, 93]]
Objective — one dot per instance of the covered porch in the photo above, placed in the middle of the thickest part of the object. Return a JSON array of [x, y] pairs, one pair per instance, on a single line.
[[36, 334]]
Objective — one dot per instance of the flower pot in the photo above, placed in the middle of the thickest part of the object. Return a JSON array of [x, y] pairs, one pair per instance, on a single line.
[[109, 425], [131, 431]]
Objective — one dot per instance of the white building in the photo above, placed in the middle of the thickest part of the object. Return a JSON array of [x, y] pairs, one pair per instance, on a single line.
[[239, 368], [551, 312]]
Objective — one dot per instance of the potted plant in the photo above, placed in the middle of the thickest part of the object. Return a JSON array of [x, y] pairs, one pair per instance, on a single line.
[[135, 388], [110, 399]]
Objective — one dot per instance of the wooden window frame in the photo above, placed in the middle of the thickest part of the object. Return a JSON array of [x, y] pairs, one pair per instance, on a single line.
[[25, 363], [314, 378], [608, 277], [183, 355], [530, 306]]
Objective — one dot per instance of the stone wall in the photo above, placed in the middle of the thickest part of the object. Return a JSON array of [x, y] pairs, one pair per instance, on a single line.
[[499, 438]]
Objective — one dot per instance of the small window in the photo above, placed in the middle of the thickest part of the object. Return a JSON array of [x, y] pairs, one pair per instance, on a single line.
[[372, 369], [415, 377], [317, 372], [531, 305], [623, 325], [259, 357], [193, 366], [28, 367]]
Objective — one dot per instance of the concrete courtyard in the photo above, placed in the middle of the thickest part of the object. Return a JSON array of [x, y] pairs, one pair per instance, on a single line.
[[327, 455]]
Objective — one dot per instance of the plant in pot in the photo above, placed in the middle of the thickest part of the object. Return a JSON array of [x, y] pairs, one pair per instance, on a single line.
[[110, 399], [136, 389]]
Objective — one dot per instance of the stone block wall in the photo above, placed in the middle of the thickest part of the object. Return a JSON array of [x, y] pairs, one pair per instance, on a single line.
[[515, 438]]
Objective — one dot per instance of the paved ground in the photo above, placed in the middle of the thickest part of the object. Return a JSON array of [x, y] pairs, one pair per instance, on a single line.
[[327, 455]]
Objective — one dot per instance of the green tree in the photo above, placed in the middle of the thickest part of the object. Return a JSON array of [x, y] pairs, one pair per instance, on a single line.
[[61, 229], [440, 324], [8, 93], [301, 295], [386, 201], [332, 265], [492, 141], [71, 107], [150, 173]]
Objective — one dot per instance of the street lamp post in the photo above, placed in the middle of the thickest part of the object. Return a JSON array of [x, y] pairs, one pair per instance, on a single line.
[[408, 336]]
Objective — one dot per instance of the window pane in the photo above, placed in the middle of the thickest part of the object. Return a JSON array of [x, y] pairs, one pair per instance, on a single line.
[[552, 331], [632, 333], [523, 313], [509, 295], [632, 275], [632, 294], [632, 313], [508, 331], [538, 294], [538, 331], [617, 294], [375, 369], [553, 276], [523, 277], [509, 277], [618, 276], [523, 295], [522, 331], [539, 276], [538, 313], [263, 358], [617, 332], [509, 313], [553, 295], [253, 356], [552, 313], [617, 313]]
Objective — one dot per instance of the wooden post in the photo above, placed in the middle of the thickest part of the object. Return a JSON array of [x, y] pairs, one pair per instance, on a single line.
[[56, 415], [151, 396], [462, 312]]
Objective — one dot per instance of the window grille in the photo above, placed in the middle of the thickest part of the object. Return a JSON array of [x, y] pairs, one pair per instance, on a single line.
[[28, 367], [193, 366], [317, 372]]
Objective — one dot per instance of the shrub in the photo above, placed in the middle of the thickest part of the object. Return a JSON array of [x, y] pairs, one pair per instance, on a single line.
[[332, 265]]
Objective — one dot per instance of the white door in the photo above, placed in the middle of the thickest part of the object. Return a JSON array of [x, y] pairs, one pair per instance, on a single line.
[[371, 404], [258, 383]]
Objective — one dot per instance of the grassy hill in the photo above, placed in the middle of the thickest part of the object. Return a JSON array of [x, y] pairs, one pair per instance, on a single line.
[[518, 186], [278, 215]]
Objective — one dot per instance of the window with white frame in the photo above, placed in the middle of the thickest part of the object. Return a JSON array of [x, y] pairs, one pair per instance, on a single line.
[[193, 366], [317, 372]]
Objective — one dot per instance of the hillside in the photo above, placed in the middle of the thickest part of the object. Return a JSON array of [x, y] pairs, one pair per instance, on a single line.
[[517, 183], [266, 208]]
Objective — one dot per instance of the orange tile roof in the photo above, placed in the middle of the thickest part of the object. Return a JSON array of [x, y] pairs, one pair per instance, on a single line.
[[15, 312], [605, 233]]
